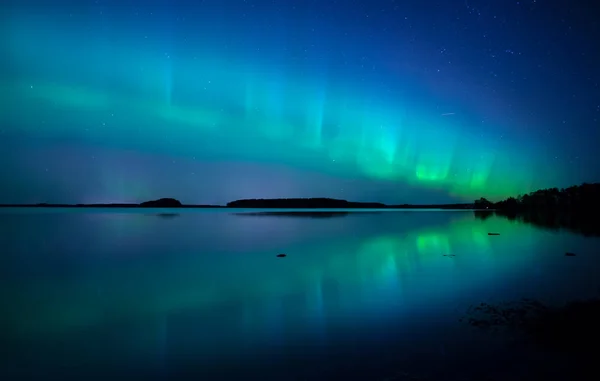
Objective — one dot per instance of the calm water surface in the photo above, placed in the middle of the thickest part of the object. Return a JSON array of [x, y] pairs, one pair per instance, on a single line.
[[107, 294]]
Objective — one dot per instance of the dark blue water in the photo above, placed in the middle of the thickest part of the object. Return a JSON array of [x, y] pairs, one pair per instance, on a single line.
[[121, 294]]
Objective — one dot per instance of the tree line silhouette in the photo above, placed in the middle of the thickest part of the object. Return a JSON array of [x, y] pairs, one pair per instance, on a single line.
[[574, 208]]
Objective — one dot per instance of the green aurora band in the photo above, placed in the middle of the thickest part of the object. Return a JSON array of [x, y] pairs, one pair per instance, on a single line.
[[63, 83]]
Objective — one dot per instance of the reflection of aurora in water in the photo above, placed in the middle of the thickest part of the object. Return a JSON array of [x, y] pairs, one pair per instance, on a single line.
[[165, 287], [379, 264]]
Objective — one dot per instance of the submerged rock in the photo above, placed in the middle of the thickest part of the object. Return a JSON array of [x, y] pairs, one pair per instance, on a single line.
[[570, 328]]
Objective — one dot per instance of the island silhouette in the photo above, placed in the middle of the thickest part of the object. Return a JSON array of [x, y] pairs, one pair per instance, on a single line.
[[162, 203], [304, 203]]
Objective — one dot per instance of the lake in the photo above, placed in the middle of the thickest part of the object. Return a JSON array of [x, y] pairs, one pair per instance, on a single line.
[[99, 294]]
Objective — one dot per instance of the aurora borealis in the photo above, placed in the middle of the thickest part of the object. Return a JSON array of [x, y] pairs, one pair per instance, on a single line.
[[387, 101]]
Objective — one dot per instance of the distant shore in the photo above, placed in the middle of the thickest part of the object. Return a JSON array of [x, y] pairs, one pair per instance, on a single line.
[[278, 203], [137, 206], [576, 200]]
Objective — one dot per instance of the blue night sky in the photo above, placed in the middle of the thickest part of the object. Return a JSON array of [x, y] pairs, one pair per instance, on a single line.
[[215, 100]]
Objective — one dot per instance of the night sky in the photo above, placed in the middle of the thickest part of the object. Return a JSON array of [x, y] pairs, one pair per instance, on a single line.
[[209, 101]]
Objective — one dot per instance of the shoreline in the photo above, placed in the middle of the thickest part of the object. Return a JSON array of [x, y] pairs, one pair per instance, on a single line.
[[237, 208]]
